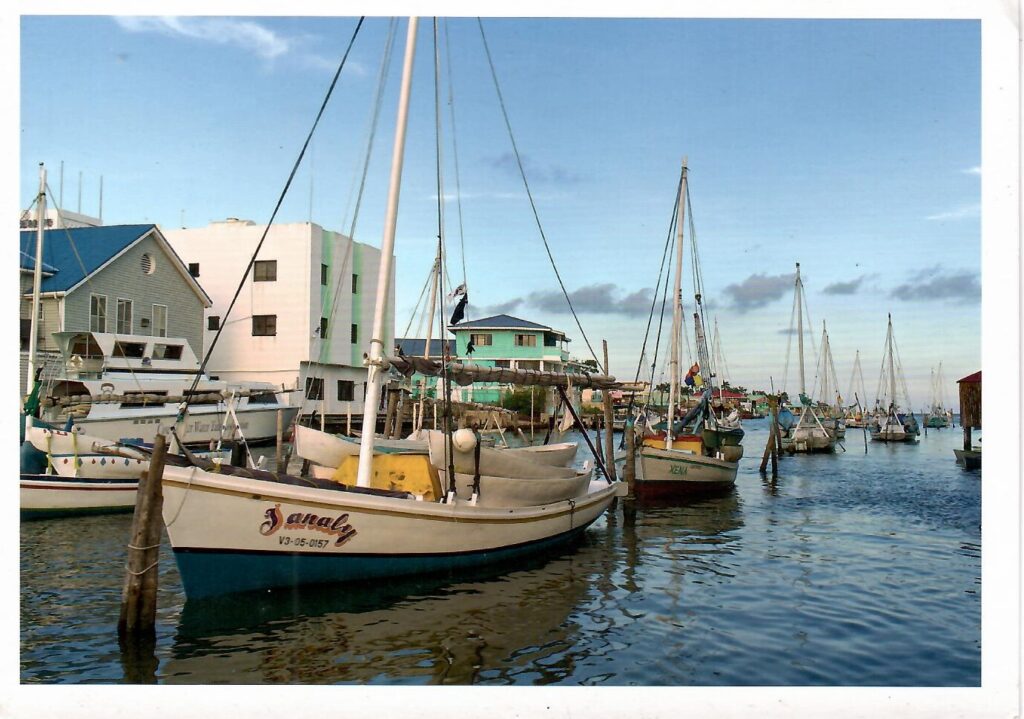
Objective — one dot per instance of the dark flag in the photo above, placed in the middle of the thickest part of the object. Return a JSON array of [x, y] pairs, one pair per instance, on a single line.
[[460, 310], [470, 348]]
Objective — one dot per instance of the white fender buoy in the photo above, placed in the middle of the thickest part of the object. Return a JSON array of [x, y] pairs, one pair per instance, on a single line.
[[464, 440]]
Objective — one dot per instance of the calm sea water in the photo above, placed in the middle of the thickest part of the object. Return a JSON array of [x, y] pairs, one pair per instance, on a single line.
[[851, 569]]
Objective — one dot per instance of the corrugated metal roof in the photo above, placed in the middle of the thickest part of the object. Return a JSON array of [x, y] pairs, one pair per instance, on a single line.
[[94, 245], [500, 322], [412, 347]]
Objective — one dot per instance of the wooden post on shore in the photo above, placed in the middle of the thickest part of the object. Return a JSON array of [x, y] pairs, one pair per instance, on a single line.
[[388, 415], [278, 452], [629, 473], [138, 598], [771, 449], [609, 421]]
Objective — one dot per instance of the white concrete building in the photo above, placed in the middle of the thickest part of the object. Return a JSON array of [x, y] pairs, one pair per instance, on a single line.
[[304, 317]]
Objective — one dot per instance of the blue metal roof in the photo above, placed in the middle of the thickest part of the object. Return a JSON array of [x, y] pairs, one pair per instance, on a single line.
[[412, 347], [94, 245], [500, 322]]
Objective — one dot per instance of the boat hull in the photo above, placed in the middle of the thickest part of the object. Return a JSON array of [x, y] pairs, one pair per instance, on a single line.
[[666, 472], [202, 425], [234, 534], [809, 440], [47, 495]]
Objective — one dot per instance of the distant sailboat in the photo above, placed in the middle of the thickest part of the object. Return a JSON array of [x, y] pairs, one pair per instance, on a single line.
[[938, 416], [807, 433], [855, 413], [834, 420], [891, 424]]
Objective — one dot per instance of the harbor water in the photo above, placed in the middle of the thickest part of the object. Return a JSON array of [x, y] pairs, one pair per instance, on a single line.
[[853, 569]]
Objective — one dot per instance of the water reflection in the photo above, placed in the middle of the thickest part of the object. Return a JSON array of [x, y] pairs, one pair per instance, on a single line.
[[420, 630]]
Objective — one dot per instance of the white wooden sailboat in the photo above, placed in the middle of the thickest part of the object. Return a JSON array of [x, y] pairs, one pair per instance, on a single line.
[[705, 456], [84, 474], [808, 434], [856, 416], [239, 530], [891, 424], [938, 416], [834, 420]]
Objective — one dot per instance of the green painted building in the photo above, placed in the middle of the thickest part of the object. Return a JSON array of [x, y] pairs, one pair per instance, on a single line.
[[498, 341]]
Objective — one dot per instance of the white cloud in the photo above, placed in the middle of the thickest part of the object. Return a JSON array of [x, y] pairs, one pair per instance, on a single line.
[[976, 170], [958, 213], [245, 34]]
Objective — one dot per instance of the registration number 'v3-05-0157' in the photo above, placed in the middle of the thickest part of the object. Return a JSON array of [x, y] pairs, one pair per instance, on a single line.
[[335, 526]]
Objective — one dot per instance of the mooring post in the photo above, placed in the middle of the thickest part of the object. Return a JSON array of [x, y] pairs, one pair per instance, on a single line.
[[773, 406], [138, 599], [629, 474], [280, 440]]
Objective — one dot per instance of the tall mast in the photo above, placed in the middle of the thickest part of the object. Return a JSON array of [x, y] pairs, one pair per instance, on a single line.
[[37, 279], [892, 374], [677, 311], [375, 360], [824, 363], [434, 282], [800, 328]]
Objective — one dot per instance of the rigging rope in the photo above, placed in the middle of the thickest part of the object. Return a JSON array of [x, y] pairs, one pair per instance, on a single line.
[[455, 155], [277, 207], [529, 194]]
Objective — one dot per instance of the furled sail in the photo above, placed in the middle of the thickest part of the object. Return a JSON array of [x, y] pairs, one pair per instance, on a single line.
[[467, 374]]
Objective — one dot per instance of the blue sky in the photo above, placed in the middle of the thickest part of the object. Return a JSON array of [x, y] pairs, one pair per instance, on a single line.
[[850, 146]]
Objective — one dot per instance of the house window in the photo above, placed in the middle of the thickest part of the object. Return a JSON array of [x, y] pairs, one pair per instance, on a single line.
[[314, 388], [264, 325], [97, 313], [526, 340], [527, 364], [355, 333], [159, 320], [323, 328], [346, 390], [193, 269], [355, 284], [124, 316], [502, 363], [213, 322], [264, 271], [323, 274], [480, 340]]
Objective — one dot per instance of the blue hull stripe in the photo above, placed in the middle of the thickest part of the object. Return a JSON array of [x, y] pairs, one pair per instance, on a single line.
[[207, 573]]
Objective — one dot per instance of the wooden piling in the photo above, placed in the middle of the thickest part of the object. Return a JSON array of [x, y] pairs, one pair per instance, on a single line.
[[279, 437], [771, 448], [138, 598], [388, 415]]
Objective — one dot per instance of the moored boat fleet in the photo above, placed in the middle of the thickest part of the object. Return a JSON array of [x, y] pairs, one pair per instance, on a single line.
[[439, 499]]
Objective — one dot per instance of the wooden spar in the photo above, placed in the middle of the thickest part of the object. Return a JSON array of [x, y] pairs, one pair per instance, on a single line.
[[800, 332], [388, 416], [138, 598], [609, 422], [375, 360], [469, 373], [279, 440], [677, 314], [583, 431]]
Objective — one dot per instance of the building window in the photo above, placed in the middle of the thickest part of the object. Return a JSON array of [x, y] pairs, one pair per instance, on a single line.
[[323, 328], [193, 269], [323, 274], [124, 316], [480, 340], [159, 320], [264, 325], [97, 313], [502, 363], [213, 322], [264, 271], [346, 390], [355, 284], [527, 364], [526, 340], [355, 333], [131, 350], [314, 388]]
